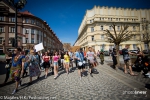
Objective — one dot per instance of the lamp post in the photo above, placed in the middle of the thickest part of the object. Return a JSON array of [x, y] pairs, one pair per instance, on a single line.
[[17, 5]]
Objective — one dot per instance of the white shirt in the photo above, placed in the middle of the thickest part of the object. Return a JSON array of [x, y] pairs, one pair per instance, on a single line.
[[90, 55]]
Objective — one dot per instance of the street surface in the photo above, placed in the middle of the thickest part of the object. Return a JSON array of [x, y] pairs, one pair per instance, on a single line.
[[107, 84]]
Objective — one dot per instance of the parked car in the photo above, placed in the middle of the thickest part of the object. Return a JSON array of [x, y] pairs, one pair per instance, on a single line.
[[133, 51], [106, 53], [145, 51]]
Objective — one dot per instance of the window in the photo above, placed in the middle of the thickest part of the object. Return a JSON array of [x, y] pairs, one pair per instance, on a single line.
[[119, 19], [1, 18], [32, 21], [134, 46], [146, 27], [101, 18], [37, 23], [44, 43], [27, 40], [116, 19], [91, 21], [102, 37], [1, 40], [118, 27], [142, 27], [27, 30], [145, 46], [12, 19], [101, 27], [125, 19], [26, 20], [134, 28], [92, 29], [32, 40], [44, 35], [134, 19], [92, 38], [120, 47], [1, 29], [38, 41], [111, 19], [134, 36], [10, 40], [32, 31], [12, 30], [110, 28]]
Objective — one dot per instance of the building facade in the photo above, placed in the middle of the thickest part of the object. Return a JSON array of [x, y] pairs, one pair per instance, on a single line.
[[91, 31], [31, 29]]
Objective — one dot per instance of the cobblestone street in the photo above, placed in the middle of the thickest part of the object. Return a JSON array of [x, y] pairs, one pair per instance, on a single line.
[[108, 84]]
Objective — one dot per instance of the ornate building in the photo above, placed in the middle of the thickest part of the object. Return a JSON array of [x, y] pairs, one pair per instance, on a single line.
[[98, 19], [31, 29]]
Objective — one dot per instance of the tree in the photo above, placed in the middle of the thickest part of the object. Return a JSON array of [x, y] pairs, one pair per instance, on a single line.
[[118, 37], [146, 35]]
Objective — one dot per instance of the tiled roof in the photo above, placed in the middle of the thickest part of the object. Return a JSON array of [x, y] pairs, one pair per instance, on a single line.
[[26, 13]]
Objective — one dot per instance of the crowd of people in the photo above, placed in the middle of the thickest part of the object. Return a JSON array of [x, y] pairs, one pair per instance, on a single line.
[[18, 61]]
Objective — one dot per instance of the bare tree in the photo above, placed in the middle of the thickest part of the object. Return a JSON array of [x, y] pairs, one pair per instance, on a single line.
[[117, 38], [146, 35]]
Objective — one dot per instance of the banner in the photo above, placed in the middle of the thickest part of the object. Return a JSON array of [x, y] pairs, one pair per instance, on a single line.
[[39, 47]]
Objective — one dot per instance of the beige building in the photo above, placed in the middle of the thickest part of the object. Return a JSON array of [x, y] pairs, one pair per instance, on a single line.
[[91, 31]]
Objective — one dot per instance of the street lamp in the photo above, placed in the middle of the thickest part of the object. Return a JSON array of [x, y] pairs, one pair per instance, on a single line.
[[17, 5]]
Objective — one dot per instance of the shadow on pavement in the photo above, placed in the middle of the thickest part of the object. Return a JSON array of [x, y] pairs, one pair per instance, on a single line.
[[2, 68], [33, 82], [147, 86], [8, 83]]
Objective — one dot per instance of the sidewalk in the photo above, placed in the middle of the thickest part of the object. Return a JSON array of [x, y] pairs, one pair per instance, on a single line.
[[135, 82]]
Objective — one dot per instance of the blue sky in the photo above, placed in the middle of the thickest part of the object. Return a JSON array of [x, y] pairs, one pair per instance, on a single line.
[[65, 16]]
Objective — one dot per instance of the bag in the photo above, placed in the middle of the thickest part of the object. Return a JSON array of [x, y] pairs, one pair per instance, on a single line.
[[80, 63], [7, 66]]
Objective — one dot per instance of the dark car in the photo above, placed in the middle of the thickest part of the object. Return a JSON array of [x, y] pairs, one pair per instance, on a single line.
[[106, 53], [145, 51], [134, 51]]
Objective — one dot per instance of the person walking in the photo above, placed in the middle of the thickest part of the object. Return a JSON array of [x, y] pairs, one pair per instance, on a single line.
[[66, 61], [46, 63], [127, 60], [7, 66], [34, 66], [114, 58], [17, 66], [102, 56], [81, 63], [62, 59], [26, 63], [71, 59], [55, 62], [90, 56]]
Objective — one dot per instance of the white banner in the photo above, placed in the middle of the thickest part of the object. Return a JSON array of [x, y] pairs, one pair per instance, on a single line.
[[39, 47]]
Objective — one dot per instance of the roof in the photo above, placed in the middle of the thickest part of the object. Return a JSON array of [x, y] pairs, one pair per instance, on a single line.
[[26, 13]]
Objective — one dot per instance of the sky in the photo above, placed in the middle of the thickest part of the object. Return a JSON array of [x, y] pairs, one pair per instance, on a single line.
[[65, 16]]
